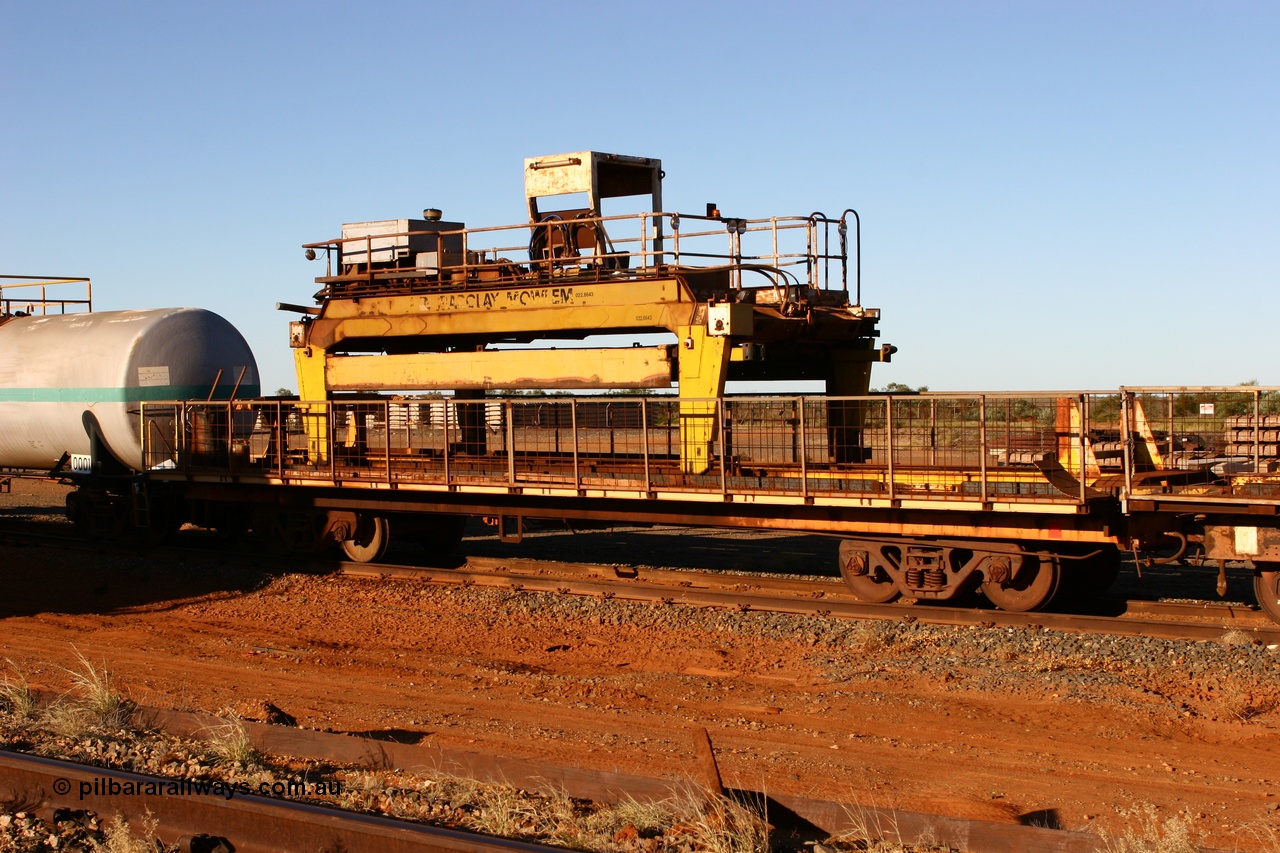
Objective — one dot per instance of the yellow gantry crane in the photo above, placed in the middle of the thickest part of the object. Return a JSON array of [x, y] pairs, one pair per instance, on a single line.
[[427, 305]]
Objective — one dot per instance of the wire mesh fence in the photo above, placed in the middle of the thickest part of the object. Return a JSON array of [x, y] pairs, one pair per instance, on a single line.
[[1057, 447]]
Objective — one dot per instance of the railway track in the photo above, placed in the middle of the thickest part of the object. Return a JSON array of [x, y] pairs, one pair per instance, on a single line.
[[528, 574], [199, 815], [819, 597], [202, 817], [815, 596]]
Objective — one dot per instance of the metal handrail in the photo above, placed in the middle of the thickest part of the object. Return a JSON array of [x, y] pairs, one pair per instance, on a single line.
[[813, 230], [930, 447], [16, 304]]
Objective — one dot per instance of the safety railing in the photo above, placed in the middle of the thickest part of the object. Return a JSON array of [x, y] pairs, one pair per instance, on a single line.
[[1220, 437], [778, 253], [33, 294], [1055, 447]]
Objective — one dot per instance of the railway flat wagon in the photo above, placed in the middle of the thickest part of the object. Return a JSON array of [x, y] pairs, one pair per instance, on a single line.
[[435, 368], [1021, 495]]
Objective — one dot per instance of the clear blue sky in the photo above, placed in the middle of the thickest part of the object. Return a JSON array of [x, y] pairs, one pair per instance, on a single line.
[[1054, 195]]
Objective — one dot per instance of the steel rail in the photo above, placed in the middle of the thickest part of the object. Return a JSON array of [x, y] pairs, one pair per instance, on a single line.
[[1225, 611], [634, 589], [250, 822], [256, 824], [832, 818], [810, 596], [822, 587]]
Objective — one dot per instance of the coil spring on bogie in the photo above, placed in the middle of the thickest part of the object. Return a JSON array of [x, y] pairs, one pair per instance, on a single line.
[[921, 578]]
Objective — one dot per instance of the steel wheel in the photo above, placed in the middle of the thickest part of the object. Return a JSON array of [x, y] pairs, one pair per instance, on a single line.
[[370, 540], [1032, 589], [1266, 588], [866, 579]]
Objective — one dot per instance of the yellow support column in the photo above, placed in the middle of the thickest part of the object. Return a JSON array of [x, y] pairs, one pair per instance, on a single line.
[[308, 363], [1071, 437], [704, 363], [850, 377]]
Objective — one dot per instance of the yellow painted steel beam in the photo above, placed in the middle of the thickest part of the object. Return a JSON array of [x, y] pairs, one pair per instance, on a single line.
[[308, 362], [596, 307], [621, 367], [623, 293], [1070, 430], [704, 364]]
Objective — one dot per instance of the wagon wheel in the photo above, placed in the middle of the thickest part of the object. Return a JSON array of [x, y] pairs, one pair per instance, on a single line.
[[1032, 588], [864, 575], [370, 540], [1266, 588]]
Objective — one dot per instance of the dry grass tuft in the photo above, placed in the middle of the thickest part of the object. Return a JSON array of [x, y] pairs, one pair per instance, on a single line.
[[16, 698], [686, 821], [1147, 833], [504, 811], [230, 742], [641, 818], [717, 824], [1236, 638], [876, 831], [1240, 701], [119, 838], [1266, 835], [97, 698]]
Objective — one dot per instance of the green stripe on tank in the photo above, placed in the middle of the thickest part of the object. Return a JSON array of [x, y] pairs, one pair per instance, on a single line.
[[134, 394]]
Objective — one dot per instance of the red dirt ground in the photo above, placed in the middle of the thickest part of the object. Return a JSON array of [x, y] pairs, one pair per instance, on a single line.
[[618, 686]]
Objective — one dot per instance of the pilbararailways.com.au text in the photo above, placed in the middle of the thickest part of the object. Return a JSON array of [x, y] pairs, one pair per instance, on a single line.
[[105, 786]]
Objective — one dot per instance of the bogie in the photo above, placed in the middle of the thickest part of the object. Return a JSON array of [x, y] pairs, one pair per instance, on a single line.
[[880, 571]]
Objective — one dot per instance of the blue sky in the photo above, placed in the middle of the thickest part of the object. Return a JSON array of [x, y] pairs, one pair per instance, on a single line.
[[1053, 195]]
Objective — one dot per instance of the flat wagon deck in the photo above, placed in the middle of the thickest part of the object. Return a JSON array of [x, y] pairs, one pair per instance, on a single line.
[[953, 482]]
